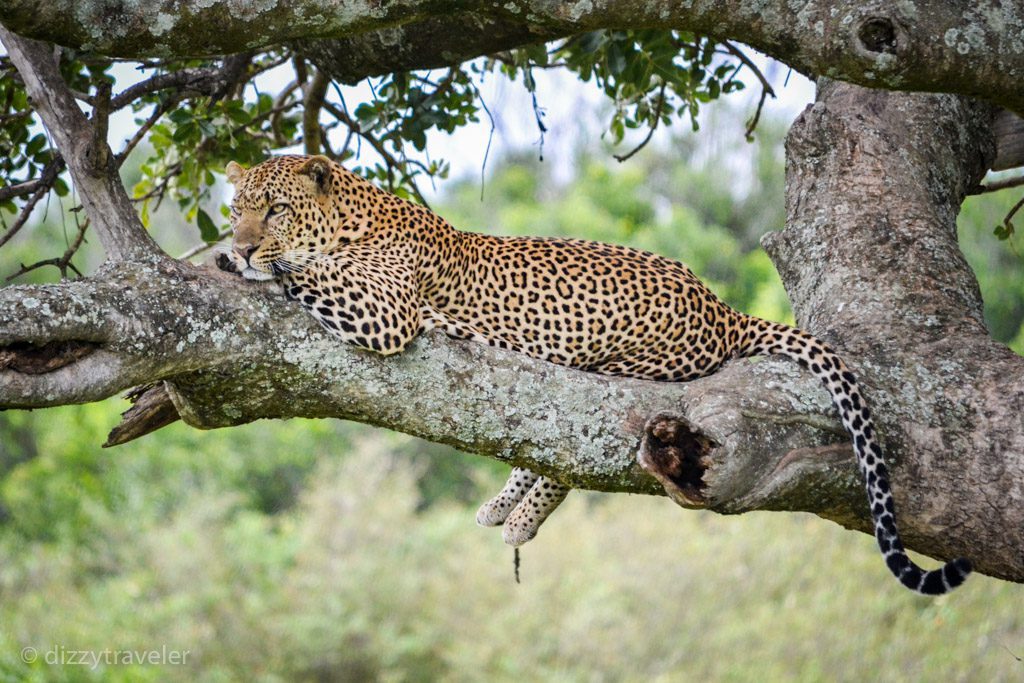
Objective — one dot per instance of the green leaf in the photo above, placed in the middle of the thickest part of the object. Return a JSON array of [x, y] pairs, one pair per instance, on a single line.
[[207, 230], [184, 132], [538, 54], [180, 116], [616, 59], [208, 128], [35, 145]]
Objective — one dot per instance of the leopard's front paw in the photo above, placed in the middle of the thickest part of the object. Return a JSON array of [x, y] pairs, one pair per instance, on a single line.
[[226, 263]]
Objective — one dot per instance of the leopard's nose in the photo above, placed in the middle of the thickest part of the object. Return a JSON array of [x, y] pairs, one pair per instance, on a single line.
[[246, 251]]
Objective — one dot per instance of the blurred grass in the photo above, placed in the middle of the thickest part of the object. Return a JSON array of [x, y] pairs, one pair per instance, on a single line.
[[354, 584]]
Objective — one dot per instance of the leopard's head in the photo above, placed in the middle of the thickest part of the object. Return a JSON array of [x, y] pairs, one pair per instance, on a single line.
[[290, 210]]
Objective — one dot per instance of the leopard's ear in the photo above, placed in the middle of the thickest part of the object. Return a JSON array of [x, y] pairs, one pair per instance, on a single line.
[[234, 171], [318, 169]]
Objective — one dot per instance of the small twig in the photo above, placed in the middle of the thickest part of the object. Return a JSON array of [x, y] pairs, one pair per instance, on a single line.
[[739, 54], [650, 132], [766, 87], [348, 141], [325, 141], [45, 179], [351, 131], [752, 123], [444, 86], [1014, 210], [141, 132], [160, 188], [389, 159], [200, 248], [506, 58], [538, 112], [26, 211], [274, 63], [62, 263], [998, 185], [490, 138]]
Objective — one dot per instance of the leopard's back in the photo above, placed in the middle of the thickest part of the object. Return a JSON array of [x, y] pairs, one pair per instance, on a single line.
[[599, 307]]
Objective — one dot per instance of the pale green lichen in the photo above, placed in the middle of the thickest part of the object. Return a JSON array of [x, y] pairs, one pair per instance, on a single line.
[[162, 24], [574, 11]]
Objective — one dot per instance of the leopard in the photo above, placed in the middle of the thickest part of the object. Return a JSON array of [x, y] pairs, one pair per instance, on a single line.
[[376, 271]]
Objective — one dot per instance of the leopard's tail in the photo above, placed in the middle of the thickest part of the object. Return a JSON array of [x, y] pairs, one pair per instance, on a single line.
[[761, 337]]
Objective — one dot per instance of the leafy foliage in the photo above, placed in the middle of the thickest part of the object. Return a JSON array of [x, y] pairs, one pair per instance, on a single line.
[[195, 115], [650, 76], [24, 150]]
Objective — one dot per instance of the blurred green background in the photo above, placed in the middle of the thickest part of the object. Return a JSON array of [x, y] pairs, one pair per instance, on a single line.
[[327, 551]]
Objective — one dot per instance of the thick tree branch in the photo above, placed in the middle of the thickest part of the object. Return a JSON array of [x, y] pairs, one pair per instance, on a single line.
[[869, 256], [430, 43], [872, 263], [232, 352], [958, 46], [82, 144]]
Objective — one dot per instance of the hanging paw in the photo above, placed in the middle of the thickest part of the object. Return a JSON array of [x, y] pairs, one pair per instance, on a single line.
[[495, 511], [540, 501], [523, 504]]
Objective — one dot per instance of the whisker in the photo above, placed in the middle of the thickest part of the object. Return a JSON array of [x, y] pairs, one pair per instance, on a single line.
[[286, 266]]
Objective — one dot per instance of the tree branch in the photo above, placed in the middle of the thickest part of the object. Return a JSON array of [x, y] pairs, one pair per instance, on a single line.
[[83, 146], [956, 46]]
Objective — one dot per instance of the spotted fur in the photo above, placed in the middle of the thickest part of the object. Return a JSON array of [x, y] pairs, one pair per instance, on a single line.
[[376, 271]]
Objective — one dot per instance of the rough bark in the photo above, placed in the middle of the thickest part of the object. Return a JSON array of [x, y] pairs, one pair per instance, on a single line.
[[869, 257], [958, 46]]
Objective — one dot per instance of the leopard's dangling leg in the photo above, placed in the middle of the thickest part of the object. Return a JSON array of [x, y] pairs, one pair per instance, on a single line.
[[540, 501], [495, 511], [522, 505]]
